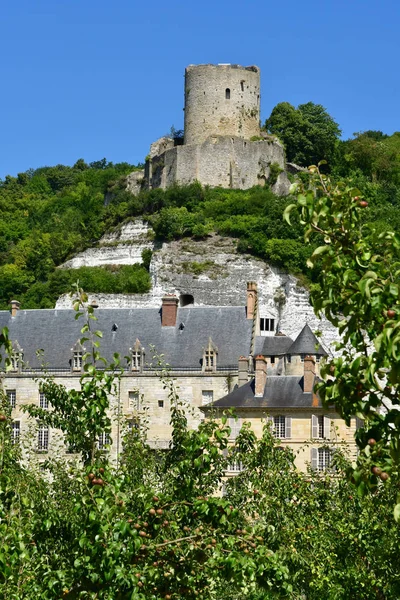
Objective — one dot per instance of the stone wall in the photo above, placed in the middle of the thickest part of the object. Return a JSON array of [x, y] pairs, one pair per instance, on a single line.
[[229, 162], [221, 100]]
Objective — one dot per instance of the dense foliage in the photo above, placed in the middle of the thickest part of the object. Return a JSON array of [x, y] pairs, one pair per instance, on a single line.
[[359, 292], [308, 132], [154, 526], [48, 215]]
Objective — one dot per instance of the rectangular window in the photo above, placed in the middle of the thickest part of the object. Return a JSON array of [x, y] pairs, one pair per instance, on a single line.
[[235, 427], [324, 459], [279, 427], [209, 359], [77, 361], [43, 402], [266, 325], [12, 397], [43, 438], [161, 404], [136, 361], [289, 358], [134, 400], [302, 356], [15, 432], [272, 360], [104, 440], [207, 396], [320, 427]]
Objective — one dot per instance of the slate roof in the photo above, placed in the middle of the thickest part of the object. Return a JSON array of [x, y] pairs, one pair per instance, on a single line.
[[276, 345], [56, 331], [306, 343], [279, 392]]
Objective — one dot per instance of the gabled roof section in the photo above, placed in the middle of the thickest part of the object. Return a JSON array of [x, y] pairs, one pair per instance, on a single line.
[[56, 331], [307, 343], [279, 392]]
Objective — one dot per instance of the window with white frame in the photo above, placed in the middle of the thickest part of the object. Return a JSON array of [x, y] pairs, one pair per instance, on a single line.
[[134, 400], [235, 426], [103, 441], [12, 397], [321, 427], [321, 459], [77, 360], [43, 402], [266, 325], [282, 426], [43, 438], [207, 396], [15, 431], [136, 361]]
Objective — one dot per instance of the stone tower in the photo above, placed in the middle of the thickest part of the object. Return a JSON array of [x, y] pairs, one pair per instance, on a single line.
[[223, 145], [221, 100]]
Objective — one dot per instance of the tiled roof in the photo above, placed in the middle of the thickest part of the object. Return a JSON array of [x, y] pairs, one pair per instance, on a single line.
[[279, 392], [306, 343], [57, 331]]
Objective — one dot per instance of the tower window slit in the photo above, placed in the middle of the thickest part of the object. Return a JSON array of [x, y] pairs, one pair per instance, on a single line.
[[227, 94]]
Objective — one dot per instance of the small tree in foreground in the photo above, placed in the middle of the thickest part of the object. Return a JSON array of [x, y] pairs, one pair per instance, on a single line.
[[358, 292]]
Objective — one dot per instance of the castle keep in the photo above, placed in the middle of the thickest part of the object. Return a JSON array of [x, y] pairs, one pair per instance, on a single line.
[[222, 145]]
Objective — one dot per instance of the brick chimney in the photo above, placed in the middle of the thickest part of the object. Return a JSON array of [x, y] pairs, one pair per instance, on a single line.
[[309, 374], [260, 375], [251, 299], [14, 307], [243, 370], [169, 310]]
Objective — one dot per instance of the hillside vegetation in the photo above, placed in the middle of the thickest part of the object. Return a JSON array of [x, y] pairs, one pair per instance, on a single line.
[[50, 214]]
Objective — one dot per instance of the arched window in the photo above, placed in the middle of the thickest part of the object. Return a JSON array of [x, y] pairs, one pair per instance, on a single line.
[[186, 300], [227, 94]]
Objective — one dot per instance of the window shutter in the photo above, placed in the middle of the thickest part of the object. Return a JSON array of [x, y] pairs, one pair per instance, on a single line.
[[314, 426], [314, 459], [327, 428], [288, 427]]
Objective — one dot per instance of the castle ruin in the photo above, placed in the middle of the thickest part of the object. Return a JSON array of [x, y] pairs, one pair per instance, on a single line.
[[223, 144]]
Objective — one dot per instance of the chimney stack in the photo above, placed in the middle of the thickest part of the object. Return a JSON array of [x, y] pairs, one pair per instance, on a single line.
[[169, 310], [14, 307], [251, 299], [309, 374], [243, 370], [260, 375]]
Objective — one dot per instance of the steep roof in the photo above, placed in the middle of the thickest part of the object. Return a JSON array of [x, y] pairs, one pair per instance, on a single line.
[[306, 343], [57, 331], [279, 392]]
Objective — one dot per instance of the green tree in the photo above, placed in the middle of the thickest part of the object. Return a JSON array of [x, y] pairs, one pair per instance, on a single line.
[[358, 291], [308, 132]]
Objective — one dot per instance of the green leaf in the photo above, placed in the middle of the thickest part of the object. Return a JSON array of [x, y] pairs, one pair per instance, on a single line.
[[287, 211]]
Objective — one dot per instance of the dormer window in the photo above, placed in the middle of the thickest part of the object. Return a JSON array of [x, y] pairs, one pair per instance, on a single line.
[[137, 357], [16, 357], [77, 352], [267, 325], [78, 358], [210, 357]]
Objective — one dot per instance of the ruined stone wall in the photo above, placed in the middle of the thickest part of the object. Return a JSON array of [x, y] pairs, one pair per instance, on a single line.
[[228, 162], [221, 100]]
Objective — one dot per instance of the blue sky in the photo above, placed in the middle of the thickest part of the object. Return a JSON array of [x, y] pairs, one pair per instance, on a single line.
[[86, 79]]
